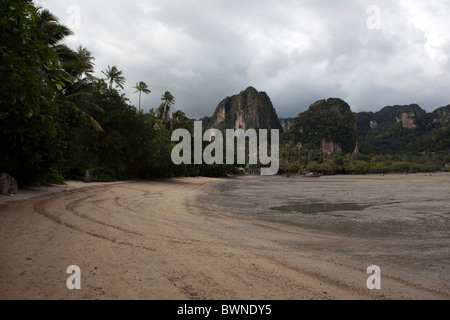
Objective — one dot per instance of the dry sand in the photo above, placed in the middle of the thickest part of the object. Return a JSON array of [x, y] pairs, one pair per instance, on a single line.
[[158, 240]]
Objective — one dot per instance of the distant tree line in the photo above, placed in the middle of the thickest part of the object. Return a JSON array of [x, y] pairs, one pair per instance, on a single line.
[[296, 160]]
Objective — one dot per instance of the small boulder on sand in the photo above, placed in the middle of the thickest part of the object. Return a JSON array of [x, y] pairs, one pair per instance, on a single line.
[[8, 185]]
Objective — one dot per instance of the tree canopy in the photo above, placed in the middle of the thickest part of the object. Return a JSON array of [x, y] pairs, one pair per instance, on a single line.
[[57, 120]]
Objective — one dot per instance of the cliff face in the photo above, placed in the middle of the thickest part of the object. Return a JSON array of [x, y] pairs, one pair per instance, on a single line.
[[406, 115], [328, 124], [329, 147], [442, 115], [249, 109], [407, 119], [286, 123], [410, 129], [409, 115]]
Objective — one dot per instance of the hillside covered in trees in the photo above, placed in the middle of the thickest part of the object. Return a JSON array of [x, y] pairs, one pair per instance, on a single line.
[[329, 137]]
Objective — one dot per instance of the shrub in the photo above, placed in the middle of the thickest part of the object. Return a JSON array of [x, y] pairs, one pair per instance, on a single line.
[[56, 178], [401, 167], [329, 166], [103, 174], [313, 166], [380, 167]]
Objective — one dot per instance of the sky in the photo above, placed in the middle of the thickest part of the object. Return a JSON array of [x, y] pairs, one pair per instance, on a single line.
[[370, 53]]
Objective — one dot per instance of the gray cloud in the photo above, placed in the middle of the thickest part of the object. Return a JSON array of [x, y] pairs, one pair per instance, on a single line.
[[298, 51]]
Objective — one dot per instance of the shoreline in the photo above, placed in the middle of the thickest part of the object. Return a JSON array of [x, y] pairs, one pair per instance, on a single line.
[[33, 192], [158, 240]]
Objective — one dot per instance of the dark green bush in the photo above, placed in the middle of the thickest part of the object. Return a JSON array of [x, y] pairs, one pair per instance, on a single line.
[[103, 174]]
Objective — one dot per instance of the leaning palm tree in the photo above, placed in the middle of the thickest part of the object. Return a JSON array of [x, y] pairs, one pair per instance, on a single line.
[[73, 64], [141, 87], [50, 30], [163, 112], [79, 64], [52, 33], [114, 75]]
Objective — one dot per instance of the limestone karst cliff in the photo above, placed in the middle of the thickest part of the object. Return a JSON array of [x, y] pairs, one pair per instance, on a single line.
[[249, 109], [328, 125], [332, 127]]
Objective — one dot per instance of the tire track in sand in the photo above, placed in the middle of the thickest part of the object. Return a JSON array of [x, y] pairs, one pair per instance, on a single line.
[[70, 208]]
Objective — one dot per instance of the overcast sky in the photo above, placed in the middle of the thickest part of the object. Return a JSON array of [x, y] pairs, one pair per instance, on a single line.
[[369, 53]]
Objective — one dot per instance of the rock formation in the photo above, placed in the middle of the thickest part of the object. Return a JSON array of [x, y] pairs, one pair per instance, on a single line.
[[329, 147], [8, 184], [442, 115], [407, 119], [404, 129], [328, 125], [286, 123], [331, 126], [249, 109]]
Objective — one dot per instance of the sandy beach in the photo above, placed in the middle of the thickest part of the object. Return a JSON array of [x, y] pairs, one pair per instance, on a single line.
[[160, 240]]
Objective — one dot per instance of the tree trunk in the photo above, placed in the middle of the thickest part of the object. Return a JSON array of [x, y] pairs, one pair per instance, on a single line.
[[139, 101]]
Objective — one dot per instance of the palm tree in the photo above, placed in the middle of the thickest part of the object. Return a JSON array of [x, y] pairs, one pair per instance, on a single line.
[[74, 64], [168, 98], [84, 63], [163, 112], [78, 64], [115, 76], [51, 31], [141, 87], [180, 121]]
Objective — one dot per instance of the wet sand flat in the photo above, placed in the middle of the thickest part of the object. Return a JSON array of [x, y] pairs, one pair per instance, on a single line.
[[199, 238]]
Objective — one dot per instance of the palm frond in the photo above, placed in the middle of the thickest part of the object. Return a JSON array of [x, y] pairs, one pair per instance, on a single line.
[[51, 31], [96, 125], [84, 99], [90, 120]]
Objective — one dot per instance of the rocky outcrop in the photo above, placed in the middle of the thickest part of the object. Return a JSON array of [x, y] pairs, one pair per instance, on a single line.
[[249, 109], [220, 117], [404, 129], [329, 125], [8, 185], [408, 120], [356, 151], [329, 147], [286, 123], [408, 116], [442, 115]]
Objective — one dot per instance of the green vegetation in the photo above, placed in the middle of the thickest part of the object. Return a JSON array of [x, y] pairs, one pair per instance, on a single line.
[[32, 78], [328, 120], [57, 119], [295, 160], [385, 143]]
